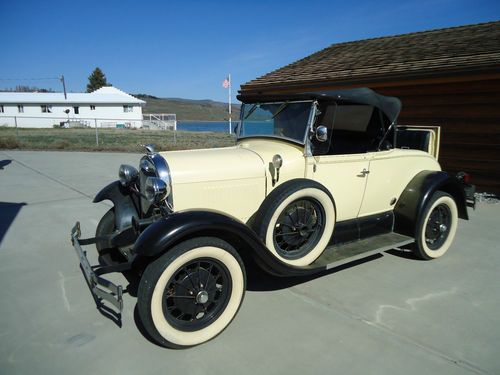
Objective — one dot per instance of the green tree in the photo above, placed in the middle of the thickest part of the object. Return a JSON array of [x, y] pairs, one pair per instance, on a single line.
[[97, 80]]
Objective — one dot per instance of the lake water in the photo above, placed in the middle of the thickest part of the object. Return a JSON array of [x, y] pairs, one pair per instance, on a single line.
[[205, 126]]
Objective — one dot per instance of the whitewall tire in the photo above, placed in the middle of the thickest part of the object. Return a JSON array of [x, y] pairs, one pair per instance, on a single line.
[[191, 293], [437, 228], [297, 224]]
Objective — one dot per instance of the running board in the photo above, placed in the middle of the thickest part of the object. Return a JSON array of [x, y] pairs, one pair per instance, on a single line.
[[340, 254]]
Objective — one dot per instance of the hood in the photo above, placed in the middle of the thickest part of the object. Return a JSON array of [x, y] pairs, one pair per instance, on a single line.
[[217, 164]]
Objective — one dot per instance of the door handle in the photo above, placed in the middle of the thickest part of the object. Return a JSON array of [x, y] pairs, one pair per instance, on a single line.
[[364, 172]]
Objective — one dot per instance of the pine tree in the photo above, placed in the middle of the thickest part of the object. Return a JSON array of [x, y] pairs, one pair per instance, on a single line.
[[97, 80]]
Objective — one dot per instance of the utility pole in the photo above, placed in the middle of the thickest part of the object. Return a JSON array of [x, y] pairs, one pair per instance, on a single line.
[[64, 86]]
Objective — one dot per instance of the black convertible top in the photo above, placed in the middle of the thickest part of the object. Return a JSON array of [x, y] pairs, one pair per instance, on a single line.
[[390, 106]]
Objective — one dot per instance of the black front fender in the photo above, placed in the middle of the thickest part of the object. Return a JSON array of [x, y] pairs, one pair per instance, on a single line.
[[165, 233], [418, 193], [126, 206]]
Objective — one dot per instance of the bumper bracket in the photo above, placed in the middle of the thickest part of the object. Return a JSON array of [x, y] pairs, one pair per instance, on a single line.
[[102, 289]]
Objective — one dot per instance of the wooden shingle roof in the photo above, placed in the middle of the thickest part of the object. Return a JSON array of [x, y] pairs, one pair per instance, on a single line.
[[458, 49]]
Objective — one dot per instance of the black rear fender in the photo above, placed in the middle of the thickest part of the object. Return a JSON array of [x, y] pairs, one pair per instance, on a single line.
[[418, 193], [125, 202], [165, 233]]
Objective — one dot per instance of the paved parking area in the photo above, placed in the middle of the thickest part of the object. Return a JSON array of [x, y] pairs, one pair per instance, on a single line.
[[389, 315]]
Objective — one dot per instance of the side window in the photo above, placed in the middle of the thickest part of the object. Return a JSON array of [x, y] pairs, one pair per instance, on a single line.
[[356, 129]]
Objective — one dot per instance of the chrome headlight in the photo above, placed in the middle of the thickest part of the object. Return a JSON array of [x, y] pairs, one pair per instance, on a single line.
[[277, 161], [156, 190], [127, 174]]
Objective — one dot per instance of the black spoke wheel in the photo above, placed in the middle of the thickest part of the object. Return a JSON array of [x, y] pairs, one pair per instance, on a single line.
[[197, 294], [436, 227], [296, 221], [299, 228], [192, 292]]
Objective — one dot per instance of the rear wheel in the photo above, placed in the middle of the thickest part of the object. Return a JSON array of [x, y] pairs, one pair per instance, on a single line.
[[437, 227], [192, 292]]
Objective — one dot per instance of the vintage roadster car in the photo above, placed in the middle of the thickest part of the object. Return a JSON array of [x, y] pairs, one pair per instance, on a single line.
[[315, 180]]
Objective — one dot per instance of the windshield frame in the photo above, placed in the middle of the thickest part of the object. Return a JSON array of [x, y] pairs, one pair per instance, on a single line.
[[308, 126]]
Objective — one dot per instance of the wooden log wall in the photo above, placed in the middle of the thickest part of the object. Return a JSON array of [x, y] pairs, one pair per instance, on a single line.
[[469, 115]]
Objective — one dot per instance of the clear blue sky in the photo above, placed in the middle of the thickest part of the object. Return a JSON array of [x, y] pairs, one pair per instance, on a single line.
[[186, 48]]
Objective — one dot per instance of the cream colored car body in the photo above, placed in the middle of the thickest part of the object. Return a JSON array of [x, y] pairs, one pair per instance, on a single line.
[[235, 180]]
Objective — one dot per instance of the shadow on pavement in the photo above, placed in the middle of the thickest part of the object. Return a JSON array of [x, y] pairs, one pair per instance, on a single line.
[[4, 163], [260, 281], [8, 213]]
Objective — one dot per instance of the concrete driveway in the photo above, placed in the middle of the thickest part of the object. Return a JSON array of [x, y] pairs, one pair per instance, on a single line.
[[388, 315]]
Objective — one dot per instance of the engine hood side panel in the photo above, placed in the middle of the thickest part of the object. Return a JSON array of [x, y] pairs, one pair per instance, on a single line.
[[234, 180], [231, 180], [217, 164]]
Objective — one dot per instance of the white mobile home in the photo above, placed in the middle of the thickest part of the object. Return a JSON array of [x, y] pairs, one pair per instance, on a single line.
[[105, 107]]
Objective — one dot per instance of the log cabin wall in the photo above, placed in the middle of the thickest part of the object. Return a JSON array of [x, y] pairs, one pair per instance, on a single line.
[[469, 116]]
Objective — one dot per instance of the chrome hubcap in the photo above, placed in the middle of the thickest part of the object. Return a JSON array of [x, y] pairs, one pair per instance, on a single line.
[[202, 297]]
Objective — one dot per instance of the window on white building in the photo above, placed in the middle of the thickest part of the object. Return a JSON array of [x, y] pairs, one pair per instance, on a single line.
[[92, 107], [77, 110], [127, 108], [20, 108], [1, 108], [46, 108]]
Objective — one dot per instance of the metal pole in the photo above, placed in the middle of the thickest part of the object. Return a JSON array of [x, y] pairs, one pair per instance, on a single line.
[[230, 126], [17, 131], [96, 133], [64, 86]]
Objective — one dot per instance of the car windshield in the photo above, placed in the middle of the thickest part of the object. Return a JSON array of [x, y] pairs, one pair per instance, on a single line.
[[287, 120]]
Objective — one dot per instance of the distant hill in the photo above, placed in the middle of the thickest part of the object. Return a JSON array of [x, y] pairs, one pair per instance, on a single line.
[[187, 109]]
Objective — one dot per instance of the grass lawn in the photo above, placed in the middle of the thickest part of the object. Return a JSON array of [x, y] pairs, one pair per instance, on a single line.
[[128, 140]]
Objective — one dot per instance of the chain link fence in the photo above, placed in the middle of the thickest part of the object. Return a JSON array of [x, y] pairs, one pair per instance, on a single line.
[[163, 122]]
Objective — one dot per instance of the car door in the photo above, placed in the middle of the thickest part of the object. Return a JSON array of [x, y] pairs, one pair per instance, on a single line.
[[341, 164], [345, 177]]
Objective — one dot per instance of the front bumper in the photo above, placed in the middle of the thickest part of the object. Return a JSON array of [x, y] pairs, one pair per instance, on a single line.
[[102, 289]]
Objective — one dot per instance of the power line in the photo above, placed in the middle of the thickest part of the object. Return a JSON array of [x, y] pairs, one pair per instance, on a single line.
[[30, 79], [61, 79]]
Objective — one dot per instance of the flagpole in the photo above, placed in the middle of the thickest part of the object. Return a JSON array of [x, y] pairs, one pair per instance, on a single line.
[[230, 126]]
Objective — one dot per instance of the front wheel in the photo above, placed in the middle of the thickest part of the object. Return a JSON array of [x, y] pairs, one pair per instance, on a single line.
[[191, 293], [437, 228], [296, 222]]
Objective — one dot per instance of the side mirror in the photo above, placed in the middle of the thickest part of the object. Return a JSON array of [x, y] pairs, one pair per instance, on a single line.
[[321, 133]]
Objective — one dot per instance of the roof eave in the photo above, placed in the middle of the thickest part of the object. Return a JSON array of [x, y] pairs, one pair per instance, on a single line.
[[368, 79]]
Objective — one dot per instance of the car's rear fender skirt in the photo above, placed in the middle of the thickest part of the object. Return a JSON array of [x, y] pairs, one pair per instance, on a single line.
[[123, 200], [163, 234], [418, 193]]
